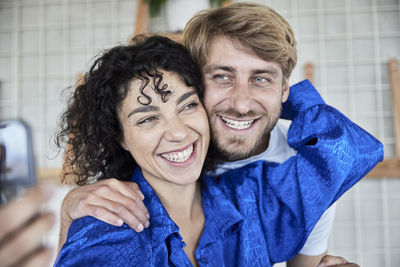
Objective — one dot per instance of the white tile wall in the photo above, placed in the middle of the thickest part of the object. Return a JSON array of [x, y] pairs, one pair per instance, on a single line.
[[45, 43]]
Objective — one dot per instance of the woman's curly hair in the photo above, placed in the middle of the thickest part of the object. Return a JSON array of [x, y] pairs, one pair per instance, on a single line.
[[90, 127]]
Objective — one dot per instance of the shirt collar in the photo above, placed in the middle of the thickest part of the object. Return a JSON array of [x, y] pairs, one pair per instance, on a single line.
[[219, 212], [161, 225]]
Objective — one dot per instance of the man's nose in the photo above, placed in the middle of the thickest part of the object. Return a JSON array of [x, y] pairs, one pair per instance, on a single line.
[[241, 97]]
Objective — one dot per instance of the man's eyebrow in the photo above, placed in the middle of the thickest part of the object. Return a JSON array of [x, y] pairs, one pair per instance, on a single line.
[[218, 67], [143, 110], [271, 71], [185, 96]]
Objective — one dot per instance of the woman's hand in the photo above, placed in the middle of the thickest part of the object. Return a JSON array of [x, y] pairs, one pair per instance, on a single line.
[[112, 201], [328, 261], [22, 228]]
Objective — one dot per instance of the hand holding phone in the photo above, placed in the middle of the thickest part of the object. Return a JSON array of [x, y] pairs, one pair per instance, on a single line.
[[17, 167], [23, 224], [22, 228]]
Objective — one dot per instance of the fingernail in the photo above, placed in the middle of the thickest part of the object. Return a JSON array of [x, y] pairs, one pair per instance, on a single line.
[[120, 222], [140, 227], [148, 215], [147, 224], [141, 195]]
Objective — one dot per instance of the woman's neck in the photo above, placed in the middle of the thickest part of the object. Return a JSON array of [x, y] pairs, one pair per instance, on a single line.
[[181, 202], [184, 206]]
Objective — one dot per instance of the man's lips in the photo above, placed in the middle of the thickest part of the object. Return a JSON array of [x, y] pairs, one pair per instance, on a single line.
[[238, 124]]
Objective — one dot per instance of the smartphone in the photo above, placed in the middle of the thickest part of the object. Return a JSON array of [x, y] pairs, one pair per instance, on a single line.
[[17, 166]]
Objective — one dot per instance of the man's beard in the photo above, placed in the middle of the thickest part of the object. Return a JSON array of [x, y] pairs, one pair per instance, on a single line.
[[228, 151]]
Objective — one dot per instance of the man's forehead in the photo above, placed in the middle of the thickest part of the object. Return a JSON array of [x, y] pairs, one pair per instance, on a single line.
[[224, 52]]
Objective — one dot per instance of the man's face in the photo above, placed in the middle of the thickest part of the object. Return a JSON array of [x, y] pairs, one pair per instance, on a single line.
[[243, 98]]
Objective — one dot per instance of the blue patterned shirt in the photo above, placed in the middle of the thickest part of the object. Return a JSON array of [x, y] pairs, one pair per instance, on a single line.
[[251, 219]]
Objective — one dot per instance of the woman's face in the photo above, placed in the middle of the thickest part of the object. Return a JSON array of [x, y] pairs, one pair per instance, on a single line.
[[169, 141]]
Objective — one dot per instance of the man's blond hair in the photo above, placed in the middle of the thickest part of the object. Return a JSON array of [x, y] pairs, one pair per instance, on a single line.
[[255, 27]]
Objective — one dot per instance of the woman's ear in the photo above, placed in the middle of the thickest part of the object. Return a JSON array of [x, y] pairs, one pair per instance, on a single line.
[[123, 144]]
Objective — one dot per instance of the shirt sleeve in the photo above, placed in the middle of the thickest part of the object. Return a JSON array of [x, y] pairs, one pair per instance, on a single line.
[[289, 198], [333, 154], [91, 242]]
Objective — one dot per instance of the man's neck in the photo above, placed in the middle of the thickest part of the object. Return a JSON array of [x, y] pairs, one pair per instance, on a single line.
[[259, 148]]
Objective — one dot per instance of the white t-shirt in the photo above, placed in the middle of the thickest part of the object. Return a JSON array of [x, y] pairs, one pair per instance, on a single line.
[[278, 151]]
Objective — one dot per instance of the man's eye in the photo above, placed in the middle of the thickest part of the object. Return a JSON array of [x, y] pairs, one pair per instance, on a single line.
[[260, 79], [147, 120]]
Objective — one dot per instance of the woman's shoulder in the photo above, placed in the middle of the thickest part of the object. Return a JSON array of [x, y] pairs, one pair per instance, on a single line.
[[95, 241]]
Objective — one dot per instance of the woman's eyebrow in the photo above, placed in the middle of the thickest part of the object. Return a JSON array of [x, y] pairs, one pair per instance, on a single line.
[[143, 110], [185, 96]]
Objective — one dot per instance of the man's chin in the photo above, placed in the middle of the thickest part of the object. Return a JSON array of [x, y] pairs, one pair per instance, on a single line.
[[234, 152]]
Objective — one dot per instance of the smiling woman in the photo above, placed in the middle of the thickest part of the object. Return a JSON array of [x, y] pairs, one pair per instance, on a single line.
[[138, 116], [168, 139]]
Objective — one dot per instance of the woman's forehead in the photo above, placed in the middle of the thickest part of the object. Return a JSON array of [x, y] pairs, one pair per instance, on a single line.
[[170, 81]]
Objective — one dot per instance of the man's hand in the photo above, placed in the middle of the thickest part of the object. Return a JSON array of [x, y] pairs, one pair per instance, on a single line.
[[112, 201], [22, 228], [329, 260]]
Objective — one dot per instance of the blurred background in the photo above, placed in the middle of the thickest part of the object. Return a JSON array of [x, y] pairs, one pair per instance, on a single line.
[[344, 46]]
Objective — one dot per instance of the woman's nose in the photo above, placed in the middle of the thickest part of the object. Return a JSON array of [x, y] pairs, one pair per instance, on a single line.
[[176, 130]]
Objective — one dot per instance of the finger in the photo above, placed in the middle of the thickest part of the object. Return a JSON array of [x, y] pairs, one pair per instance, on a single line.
[[135, 188], [110, 211], [128, 189], [104, 215], [134, 191], [115, 199], [131, 220], [14, 214], [39, 258], [26, 241], [131, 208]]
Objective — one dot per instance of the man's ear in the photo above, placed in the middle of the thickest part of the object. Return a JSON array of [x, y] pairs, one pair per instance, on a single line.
[[285, 90]]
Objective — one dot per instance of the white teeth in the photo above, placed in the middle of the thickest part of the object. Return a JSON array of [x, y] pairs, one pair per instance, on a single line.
[[181, 156], [240, 125]]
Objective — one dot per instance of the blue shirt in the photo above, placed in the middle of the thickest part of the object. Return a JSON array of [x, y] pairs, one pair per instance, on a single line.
[[249, 220]]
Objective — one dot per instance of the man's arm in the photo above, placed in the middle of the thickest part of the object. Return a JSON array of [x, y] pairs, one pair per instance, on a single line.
[[333, 154], [112, 201], [317, 243]]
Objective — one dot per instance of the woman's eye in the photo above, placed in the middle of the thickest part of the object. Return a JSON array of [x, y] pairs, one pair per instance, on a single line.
[[221, 77], [190, 106], [147, 120]]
